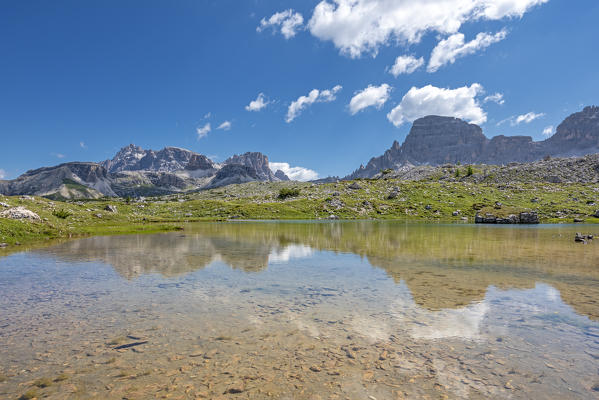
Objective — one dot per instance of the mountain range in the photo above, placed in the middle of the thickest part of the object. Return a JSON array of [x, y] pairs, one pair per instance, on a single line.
[[435, 140], [432, 140], [136, 172]]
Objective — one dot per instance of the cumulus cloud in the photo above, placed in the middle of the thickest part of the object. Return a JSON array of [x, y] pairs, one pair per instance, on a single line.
[[371, 96], [258, 104], [362, 26], [2, 174], [526, 118], [294, 173], [495, 98], [430, 100], [454, 47], [405, 65], [225, 126], [315, 96], [548, 131], [288, 21], [203, 131]]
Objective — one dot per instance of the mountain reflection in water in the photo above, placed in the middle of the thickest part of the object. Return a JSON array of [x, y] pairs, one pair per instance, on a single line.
[[444, 266]]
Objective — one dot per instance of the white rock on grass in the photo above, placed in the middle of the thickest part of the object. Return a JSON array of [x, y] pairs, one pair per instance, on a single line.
[[19, 213]]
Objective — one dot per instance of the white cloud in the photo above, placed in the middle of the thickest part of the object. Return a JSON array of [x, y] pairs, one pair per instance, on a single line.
[[207, 115], [495, 98], [371, 96], [405, 65], [225, 126], [289, 21], [363, 26], [548, 131], [294, 173], [315, 96], [58, 155], [258, 104], [2, 174], [526, 118], [82, 145], [454, 47], [431, 100], [287, 253], [204, 130]]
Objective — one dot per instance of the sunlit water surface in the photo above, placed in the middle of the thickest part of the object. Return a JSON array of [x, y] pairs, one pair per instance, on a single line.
[[357, 310]]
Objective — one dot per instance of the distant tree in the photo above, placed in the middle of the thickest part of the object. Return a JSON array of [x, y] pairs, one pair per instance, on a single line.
[[469, 171], [457, 173]]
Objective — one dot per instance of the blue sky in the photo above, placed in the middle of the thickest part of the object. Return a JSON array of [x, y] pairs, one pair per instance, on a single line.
[[80, 79]]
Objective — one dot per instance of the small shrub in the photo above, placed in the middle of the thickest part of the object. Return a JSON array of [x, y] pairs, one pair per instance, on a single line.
[[457, 173], [62, 214], [386, 171], [469, 171], [287, 192]]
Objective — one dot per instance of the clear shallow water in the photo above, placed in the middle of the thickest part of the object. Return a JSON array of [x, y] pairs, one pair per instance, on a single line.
[[305, 310]]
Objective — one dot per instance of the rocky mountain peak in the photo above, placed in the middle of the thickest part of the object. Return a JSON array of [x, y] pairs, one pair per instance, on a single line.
[[281, 175], [580, 131], [256, 161]]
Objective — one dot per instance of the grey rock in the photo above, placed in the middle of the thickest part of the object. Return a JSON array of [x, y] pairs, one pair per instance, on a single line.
[[19, 213], [111, 208], [355, 186], [529, 218], [281, 175]]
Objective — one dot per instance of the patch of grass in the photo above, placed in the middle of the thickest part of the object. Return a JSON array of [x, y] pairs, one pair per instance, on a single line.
[[62, 214]]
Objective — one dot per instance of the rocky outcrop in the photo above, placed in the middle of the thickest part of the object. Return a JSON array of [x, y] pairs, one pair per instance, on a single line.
[[19, 213], [281, 175], [389, 160], [134, 158], [69, 180], [257, 162], [234, 174], [522, 218], [435, 140], [200, 162], [577, 135]]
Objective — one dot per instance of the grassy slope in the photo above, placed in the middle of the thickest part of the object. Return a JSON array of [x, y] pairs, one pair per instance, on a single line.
[[556, 203]]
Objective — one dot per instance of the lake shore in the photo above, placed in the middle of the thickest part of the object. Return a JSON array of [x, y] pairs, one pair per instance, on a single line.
[[377, 199]]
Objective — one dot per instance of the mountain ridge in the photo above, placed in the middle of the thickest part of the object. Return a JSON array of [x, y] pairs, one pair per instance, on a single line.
[[437, 140]]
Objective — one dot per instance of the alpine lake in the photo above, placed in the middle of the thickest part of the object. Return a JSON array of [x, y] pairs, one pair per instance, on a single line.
[[305, 310]]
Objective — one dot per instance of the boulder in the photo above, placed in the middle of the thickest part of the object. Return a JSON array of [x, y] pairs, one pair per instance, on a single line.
[[529, 218], [111, 208], [355, 186], [20, 213]]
